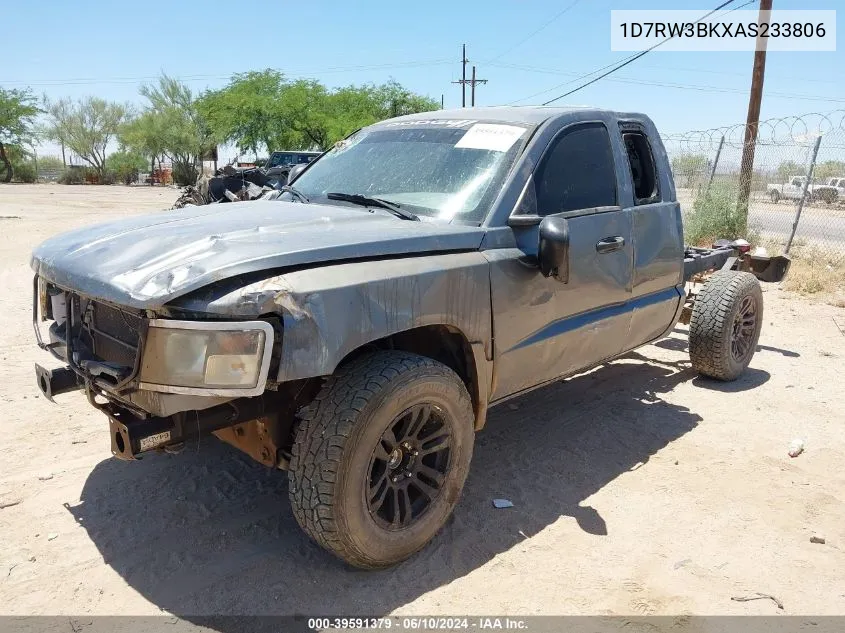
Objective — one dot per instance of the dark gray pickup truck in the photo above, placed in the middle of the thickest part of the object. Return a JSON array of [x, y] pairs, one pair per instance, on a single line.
[[356, 329]]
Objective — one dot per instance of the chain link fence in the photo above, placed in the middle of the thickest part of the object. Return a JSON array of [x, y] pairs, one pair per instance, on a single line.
[[797, 199]]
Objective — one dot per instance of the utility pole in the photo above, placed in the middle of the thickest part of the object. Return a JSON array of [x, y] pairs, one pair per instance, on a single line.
[[752, 122], [441, 100], [463, 80], [472, 83]]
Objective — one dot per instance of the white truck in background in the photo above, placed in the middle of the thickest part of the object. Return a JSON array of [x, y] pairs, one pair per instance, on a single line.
[[838, 183], [794, 189]]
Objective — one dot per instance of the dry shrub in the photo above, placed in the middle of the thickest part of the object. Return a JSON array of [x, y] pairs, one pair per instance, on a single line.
[[814, 271]]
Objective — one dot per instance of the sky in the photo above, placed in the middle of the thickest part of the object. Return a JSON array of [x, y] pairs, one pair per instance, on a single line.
[[523, 48]]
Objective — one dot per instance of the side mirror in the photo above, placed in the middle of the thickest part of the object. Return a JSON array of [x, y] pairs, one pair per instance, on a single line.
[[553, 252], [295, 171]]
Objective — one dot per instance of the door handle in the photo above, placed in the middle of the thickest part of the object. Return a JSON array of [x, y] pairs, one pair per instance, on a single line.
[[610, 244]]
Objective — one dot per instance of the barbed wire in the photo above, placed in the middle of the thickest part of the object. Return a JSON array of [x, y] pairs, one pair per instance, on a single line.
[[800, 130]]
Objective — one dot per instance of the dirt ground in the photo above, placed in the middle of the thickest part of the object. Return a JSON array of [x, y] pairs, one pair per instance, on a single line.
[[638, 488]]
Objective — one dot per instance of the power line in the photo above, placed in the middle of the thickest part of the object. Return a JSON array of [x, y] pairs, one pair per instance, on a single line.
[[623, 61], [533, 33], [464, 82], [681, 86], [555, 71], [473, 83], [634, 58]]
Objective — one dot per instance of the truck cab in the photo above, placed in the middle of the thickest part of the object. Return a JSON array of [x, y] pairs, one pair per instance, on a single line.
[[355, 329]]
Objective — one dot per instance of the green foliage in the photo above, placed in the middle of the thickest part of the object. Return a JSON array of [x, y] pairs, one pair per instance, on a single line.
[[53, 163], [171, 126], [105, 177], [689, 168], [86, 127], [265, 111], [125, 165], [715, 216], [789, 168], [22, 163], [18, 109], [72, 176], [24, 172], [246, 111], [829, 169]]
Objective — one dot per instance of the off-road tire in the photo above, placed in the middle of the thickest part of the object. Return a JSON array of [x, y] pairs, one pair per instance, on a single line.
[[336, 440], [713, 317]]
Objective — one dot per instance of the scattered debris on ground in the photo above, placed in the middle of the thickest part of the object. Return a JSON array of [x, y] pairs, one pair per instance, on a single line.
[[815, 538], [9, 504], [227, 185], [758, 596], [502, 503], [796, 447]]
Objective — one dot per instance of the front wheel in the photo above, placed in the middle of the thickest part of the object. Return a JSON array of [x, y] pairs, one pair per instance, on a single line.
[[725, 324], [381, 456], [775, 196]]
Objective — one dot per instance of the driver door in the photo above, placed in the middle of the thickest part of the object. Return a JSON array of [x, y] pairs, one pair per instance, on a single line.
[[544, 328]]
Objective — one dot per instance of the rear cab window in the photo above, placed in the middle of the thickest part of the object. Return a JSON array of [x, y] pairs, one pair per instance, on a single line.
[[643, 167]]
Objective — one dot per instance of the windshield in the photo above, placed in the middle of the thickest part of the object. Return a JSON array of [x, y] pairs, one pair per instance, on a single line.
[[435, 171]]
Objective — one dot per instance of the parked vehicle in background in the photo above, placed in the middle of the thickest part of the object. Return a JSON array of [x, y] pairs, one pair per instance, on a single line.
[[279, 164], [355, 330], [838, 183], [794, 189]]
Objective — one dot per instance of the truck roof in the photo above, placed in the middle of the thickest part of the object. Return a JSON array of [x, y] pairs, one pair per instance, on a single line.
[[533, 115]]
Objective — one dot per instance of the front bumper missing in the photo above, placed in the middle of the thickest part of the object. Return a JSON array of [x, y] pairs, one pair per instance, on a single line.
[[65, 345], [131, 435], [54, 382]]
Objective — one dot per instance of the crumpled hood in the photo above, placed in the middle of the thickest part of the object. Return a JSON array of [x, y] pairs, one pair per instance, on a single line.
[[146, 261]]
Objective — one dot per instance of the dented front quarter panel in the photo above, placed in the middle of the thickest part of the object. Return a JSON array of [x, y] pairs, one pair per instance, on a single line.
[[330, 311]]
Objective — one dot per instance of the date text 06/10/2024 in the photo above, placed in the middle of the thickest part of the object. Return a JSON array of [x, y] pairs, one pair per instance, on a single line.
[[419, 623]]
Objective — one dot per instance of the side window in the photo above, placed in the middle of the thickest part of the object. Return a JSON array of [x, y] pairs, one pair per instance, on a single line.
[[577, 172], [643, 170]]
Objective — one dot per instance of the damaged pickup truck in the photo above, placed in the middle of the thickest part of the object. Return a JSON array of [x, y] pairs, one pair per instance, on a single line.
[[356, 329]]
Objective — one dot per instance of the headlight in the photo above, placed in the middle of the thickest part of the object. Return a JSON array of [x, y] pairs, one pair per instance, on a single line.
[[214, 358]]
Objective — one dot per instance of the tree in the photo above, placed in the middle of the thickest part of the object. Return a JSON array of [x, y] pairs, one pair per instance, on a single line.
[[264, 111], [689, 167], [247, 112], [829, 169], [86, 127], [18, 109], [126, 165], [789, 168], [171, 126], [145, 135]]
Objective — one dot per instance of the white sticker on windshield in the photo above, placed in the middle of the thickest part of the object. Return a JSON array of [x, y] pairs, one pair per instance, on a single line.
[[492, 136]]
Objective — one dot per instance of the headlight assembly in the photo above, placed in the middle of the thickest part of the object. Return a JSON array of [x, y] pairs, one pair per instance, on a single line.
[[210, 358]]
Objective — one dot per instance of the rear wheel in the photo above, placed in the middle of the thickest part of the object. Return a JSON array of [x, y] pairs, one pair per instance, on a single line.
[[725, 324], [381, 456]]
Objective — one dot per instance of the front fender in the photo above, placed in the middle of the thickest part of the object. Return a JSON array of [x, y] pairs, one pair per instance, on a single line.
[[330, 311]]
